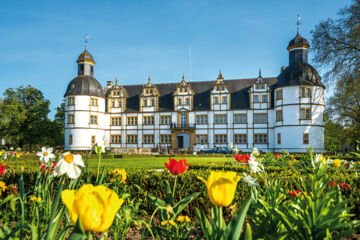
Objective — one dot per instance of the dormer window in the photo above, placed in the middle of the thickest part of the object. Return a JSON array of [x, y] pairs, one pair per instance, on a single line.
[[217, 89], [222, 88], [93, 102], [260, 86]]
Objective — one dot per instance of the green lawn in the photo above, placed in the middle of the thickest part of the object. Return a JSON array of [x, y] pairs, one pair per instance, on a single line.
[[153, 162]]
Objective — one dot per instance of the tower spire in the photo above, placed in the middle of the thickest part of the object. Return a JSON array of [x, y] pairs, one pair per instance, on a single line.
[[116, 81], [259, 72], [149, 83], [298, 22], [86, 40]]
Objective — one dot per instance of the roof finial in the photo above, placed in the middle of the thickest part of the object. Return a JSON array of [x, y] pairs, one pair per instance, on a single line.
[[183, 78], [298, 22], [259, 72], [116, 81], [220, 75], [86, 40], [149, 80]]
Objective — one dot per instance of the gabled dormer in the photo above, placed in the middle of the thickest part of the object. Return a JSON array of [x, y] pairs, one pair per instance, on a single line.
[[116, 97], [220, 95], [183, 96], [149, 97], [259, 94]]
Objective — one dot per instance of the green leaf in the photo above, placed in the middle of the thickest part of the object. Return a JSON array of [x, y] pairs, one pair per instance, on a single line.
[[183, 203], [102, 175], [78, 233], [247, 235], [204, 223], [169, 196], [233, 230]]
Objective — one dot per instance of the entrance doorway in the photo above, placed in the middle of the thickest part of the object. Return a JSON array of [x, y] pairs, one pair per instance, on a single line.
[[183, 140], [180, 141]]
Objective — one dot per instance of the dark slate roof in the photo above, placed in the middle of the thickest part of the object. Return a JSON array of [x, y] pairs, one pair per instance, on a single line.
[[85, 55], [298, 41], [84, 85], [299, 73], [238, 89]]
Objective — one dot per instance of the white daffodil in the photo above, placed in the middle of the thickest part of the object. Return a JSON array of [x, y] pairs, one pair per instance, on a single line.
[[45, 154], [100, 147], [69, 164], [254, 165], [250, 181], [255, 152]]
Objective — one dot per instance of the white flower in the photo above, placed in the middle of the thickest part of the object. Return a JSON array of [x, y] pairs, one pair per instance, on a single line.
[[250, 181], [45, 154], [68, 164], [100, 146], [254, 165], [255, 152]]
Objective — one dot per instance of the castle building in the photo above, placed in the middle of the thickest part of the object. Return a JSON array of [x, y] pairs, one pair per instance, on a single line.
[[271, 114]]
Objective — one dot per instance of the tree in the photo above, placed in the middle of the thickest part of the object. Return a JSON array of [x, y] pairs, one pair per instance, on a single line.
[[59, 123], [336, 44], [23, 116], [336, 136]]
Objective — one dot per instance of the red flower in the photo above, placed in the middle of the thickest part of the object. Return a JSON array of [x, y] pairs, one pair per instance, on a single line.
[[2, 168], [295, 193], [332, 184], [177, 167], [242, 158], [277, 155], [344, 185], [52, 168], [346, 164]]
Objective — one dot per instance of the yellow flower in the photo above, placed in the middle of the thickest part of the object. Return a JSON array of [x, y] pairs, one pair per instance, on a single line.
[[120, 172], [35, 199], [183, 219], [3, 187], [1, 153], [337, 162], [171, 222], [221, 187], [95, 205], [18, 155]]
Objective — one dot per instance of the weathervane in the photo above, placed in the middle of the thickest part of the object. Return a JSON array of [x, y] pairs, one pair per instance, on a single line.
[[298, 22], [86, 40]]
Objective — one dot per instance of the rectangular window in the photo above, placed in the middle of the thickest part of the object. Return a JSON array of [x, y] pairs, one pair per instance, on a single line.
[[279, 138], [240, 138], [119, 104], [260, 118], [221, 119], [216, 100], [279, 94], [179, 101], [131, 139], [71, 119], [116, 139], [148, 138], [113, 104], [71, 101], [224, 100], [201, 119], [240, 118], [256, 98], [279, 115], [70, 139], [260, 138], [93, 102], [187, 101], [220, 139], [264, 98], [305, 92], [93, 140], [93, 119], [116, 121], [202, 139], [148, 120], [305, 114], [306, 138], [145, 103], [131, 121], [165, 120], [151, 103], [165, 139]]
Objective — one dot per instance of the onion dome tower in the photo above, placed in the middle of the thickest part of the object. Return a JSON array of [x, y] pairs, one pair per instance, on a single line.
[[299, 102], [85, 107]]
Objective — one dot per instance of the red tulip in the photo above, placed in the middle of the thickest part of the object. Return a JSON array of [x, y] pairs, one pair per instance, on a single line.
[[344, 185], [52, 168], [177, 167], [277, 155], [295, 193], [242, 158], [2, 168], [332, 184]]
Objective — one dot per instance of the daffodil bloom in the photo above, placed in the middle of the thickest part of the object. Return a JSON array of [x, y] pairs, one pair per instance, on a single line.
[[183, 219], [336, 162], [120, 173], [255, 152], [254, 165], [35, 199], [3, 187], [250, 181], [95, 205], [221, 187], [171, 222], [45, 154], [100, 147], [1, 153], [69, 164]]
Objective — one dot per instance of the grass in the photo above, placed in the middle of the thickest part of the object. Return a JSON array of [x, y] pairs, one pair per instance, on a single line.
[[150, 162]]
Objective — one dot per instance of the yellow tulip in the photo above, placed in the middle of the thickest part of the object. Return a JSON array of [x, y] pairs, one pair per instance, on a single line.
[[120, 172], [95, 205], [337, 162], [221, 187]]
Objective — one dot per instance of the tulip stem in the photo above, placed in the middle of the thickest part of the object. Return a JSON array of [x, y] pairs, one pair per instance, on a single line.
[[174, 187], [89, 236], [98, 167]]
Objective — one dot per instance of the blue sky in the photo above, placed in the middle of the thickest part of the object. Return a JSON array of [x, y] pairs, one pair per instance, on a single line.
[[41, 40]]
